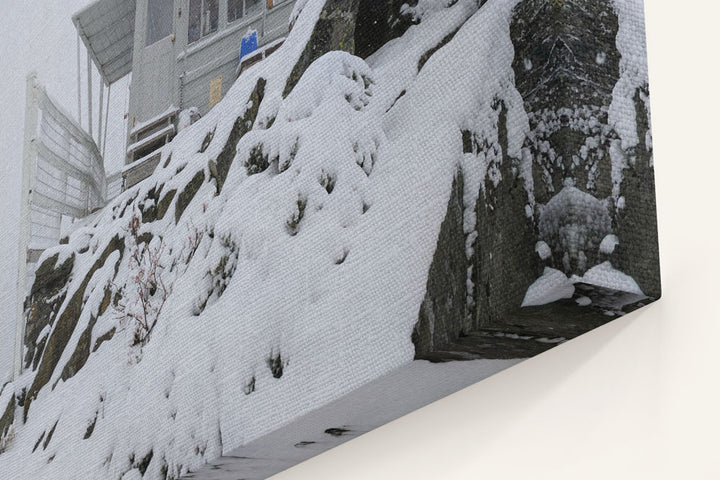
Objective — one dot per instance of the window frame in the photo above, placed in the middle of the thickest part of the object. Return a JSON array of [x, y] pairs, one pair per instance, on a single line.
[[244, 13], [202, 35]]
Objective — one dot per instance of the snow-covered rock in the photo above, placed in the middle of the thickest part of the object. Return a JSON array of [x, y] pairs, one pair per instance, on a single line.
[[552, 286]]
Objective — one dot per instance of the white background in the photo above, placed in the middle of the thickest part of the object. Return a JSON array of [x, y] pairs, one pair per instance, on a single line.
[[636, 399]]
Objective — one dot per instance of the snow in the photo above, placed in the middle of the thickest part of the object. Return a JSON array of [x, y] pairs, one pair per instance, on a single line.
[[552, 286], [543, 250], [585, 119], [299, 5], [583, 301], [551, 340], [607, 246], [149, 139], [63, 253], [633, 70], [187, 117], [366, 408], [574, 222], [6, 392], [604, 275], [133, 474], [171, 110]]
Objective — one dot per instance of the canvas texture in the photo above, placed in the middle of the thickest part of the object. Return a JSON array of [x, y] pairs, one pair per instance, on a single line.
[[346, 210]]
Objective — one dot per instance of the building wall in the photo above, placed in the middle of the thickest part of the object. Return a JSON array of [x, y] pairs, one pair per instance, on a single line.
[[152, 88], [172, 73]]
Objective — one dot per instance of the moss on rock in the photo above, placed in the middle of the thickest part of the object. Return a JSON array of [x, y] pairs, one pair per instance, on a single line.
[[257, 161]]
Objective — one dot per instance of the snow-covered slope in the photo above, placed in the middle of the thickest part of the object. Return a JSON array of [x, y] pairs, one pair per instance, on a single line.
[[279, 255]]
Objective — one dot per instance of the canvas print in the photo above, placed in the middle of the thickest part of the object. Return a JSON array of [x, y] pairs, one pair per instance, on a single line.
[[250, 230]]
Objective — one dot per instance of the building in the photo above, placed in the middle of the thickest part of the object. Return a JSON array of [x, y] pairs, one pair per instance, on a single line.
[[182, 54]]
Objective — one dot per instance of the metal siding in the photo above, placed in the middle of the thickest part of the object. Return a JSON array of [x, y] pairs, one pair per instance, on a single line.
[[107, 28]]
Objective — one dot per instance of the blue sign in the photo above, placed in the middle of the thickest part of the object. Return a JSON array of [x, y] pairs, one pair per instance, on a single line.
[[249, 43]]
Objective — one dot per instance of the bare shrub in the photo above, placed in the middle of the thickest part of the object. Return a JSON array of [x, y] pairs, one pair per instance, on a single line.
[[142, 298]]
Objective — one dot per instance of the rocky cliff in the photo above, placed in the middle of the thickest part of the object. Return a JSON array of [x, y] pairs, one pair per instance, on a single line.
[[577, 192]]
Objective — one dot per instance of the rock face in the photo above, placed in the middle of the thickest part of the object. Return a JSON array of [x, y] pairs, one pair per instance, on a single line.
[[220, 168], [505, 262], [378, 22], [42, 305], [584, 187], [443, 315], [6, 421], [334, 30], [467, 291], [638, 251], [66, 323], [566, 66]]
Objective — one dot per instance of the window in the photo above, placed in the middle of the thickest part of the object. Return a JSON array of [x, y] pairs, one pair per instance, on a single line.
[[235, 10], [253, 6], [240, 8], [203, 19], [159, 20]]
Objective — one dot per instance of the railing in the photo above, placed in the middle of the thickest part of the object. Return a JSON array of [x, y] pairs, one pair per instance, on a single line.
[[63, 179], [114, 185]]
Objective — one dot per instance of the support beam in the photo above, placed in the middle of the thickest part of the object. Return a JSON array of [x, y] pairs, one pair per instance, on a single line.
[[79, 84], [107, 112], [28, 176], [89, 84], [101, 86]]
